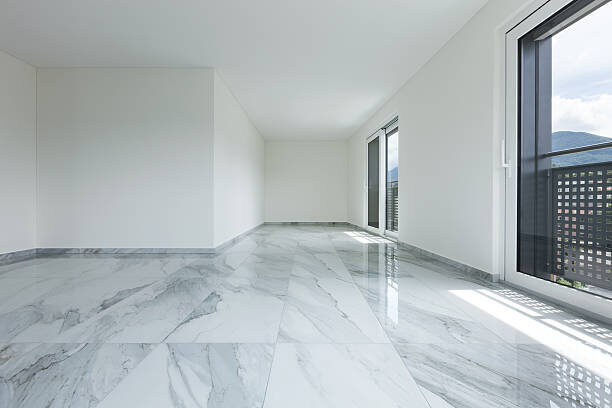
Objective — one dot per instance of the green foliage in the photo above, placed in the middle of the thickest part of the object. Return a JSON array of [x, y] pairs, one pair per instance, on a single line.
[[570, 283]]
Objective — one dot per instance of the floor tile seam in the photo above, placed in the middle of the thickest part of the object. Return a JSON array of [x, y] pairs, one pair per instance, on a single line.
[[243, 260], [516, 378], [265, 394], [216, 343], [275, 348], [216, 285], [154, 347], [378, 317], [363, 298], [157, 345], [399, 344], [152, 343], [411, 374], [98, 343], [339, 343]]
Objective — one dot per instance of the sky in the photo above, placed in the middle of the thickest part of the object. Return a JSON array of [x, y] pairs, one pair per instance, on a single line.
[[392, 152], [582, 75]]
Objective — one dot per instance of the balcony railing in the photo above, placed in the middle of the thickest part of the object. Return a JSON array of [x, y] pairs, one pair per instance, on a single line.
[[582, 223], [392, 205]]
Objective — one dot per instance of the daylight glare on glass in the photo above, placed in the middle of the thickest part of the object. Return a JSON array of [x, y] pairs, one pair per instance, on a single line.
[[582, 83]]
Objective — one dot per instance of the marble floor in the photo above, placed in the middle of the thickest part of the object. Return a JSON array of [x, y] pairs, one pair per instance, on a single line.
[[291, 316]]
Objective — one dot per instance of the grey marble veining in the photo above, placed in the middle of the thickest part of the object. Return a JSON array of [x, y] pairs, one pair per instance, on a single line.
[[289, 315], [64, 375], [340, 375], [320, 265], [103, 265], [197, 375], [132, 308], [410, 312], [504, 375], [17, 256], [327, 310], [232, 312], [117, 251]]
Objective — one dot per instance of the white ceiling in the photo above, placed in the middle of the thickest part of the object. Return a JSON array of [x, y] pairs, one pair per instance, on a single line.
[[309, 69]]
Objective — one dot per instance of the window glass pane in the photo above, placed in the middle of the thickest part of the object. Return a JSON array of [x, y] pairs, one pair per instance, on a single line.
[[392, 204], [373, 182], [582, 82], [565, 200]]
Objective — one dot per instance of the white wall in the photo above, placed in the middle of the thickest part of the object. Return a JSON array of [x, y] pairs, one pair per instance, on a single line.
[[17, 155], [448, 170], [306, 181], [238, 167], [125, 158]]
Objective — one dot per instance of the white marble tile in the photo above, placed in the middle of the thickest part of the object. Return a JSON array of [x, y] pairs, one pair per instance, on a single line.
[[410, 312], [147, 315], [198, 376], [276, 244], [64, 375], [503, 375], [231, 314], [326, 288], [98, 265], [320, 265], [339, 376], [493, 306], [44, 308], [268, 273], [328, 311], [373, 261], [314, 243]]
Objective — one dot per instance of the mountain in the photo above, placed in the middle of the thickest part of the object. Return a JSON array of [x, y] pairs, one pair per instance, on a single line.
[[566, 140], [392, 174]]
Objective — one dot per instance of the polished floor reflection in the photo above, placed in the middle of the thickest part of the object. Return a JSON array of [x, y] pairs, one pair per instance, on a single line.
[[299, 316]]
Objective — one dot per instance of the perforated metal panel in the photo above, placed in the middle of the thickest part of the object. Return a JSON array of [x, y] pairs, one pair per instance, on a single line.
[[392, 206], [582, 223]]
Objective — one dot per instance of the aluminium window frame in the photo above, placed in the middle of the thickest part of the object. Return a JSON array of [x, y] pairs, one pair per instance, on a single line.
[[509, 35], [379, 131]]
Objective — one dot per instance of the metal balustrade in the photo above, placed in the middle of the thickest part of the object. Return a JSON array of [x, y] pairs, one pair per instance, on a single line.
[[392, 206], [582, 223]]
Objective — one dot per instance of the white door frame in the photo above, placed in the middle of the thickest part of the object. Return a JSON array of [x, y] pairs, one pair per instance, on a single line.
[[590, 304], [379, 132]]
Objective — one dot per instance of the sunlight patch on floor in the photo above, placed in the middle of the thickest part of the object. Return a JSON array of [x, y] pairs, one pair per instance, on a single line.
[[594, 356], [365, 238]]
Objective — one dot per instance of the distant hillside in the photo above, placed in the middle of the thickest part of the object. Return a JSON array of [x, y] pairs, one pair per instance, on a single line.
[[392, 175], [566, 140]]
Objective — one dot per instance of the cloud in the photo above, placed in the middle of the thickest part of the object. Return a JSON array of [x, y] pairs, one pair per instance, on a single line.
[[593, 115], [582, 61]]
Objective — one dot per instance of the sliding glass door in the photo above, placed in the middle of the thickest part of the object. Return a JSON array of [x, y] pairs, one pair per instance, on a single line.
[[382, 213], [374, 182], [392, 180], [559, 193]]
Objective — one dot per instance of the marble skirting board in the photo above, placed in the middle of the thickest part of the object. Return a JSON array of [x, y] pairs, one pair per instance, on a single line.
[[17, 256], [322, 223], [466, 269], [12, 257]]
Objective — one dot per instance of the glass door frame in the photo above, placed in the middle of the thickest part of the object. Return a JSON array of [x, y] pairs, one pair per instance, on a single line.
[[588, 303], [382, 145], [380, 133]]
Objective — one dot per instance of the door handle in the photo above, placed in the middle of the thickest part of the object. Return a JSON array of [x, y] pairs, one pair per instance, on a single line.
[[505, 164]]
